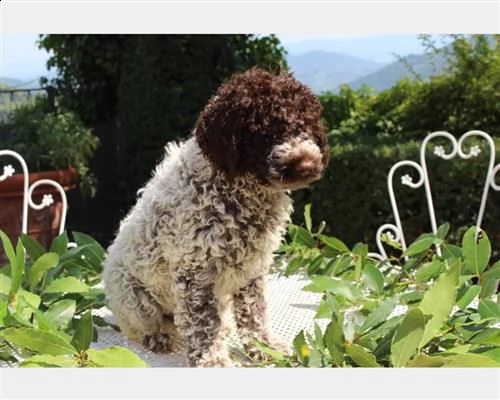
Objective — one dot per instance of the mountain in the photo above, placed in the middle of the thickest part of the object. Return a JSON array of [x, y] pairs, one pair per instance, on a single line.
[[322, 70], [10, 82], [378, 48], [18, 83], [388, 75]]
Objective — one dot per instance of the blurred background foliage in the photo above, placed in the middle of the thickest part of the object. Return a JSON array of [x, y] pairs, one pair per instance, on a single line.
[[137, 92]]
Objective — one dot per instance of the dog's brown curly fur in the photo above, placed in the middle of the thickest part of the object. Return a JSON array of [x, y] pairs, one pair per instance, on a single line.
[[200, 240], [253, 112]]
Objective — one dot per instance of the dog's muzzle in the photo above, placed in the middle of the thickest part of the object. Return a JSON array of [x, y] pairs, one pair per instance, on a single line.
[[295, 162]]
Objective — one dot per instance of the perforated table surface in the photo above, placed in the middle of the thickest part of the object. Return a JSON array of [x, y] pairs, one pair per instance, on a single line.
[[291, 310]]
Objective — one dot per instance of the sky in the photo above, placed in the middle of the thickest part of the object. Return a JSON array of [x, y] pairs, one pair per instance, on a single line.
[[21, 59]]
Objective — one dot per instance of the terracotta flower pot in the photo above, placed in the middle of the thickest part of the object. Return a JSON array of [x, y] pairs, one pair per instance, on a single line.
[[43, 225]]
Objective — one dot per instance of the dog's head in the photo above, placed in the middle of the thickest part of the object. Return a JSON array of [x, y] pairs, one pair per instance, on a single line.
[[267, 126]]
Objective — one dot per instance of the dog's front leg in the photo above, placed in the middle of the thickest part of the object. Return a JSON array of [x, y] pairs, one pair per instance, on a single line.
[[250, 307], [199, 318]]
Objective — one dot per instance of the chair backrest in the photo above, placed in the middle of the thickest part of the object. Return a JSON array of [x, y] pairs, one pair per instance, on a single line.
[[395, 231], [47, 200]]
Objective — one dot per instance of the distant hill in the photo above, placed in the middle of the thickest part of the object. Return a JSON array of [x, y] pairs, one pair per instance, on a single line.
[[378, 48], [388, 75], [18, 83], [10, 82], [322, 70]]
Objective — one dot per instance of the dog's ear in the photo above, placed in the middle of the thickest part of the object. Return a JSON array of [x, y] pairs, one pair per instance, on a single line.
[[217, 134]]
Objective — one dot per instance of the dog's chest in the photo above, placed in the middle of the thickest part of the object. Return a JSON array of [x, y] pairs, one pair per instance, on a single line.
[[250, 236]]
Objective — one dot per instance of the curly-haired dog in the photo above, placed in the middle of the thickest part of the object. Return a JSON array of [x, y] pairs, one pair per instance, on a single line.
[[200, 240]]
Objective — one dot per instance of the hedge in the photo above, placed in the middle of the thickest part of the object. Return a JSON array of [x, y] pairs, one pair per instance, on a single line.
[[353, 200]]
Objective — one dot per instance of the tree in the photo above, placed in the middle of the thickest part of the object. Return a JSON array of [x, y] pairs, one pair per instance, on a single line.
[[153, 86], [374, 131]]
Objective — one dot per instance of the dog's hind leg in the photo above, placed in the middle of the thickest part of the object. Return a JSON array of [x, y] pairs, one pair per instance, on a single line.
[[140, 317]]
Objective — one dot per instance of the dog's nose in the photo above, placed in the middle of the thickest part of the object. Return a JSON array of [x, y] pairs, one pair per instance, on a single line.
[[305, 166]]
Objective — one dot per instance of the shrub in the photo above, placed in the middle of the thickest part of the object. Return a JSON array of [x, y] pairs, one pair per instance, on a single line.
[[50, 140], [353, 200], [415, 310], [46, 303], [370, 132]]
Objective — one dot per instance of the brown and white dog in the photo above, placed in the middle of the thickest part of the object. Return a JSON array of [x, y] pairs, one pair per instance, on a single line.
[[198, 244]]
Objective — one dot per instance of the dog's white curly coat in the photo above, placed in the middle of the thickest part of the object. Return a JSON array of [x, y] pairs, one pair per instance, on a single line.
[[192, 246]]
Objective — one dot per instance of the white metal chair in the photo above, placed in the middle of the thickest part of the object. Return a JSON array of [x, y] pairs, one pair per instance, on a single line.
[[395, 231]]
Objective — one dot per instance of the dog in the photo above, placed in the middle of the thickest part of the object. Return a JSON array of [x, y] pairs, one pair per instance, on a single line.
[[195, 250]]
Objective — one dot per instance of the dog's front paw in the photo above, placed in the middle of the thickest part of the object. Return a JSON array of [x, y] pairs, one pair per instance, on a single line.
[[216, 362], [158, 343], [273, 342], [277, 343]]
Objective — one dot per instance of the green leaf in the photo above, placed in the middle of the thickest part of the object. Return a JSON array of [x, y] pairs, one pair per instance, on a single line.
[[458, 350], [315, 265], [439, 300], [334, 339], [419, 246], [89, 253], [469, 294], [3, 313], [476, 251], [361, 356], [307, 217], [48, 361], [68, 284], [98, 251], [334, 243], [373, 278], [5, 284], [489, 309], [60, 244], [39, 341], [264, 347], [33, 248], [383, 330], [424, 361], [8, 248], [84, 332], [361, 249], [318, 338], [44, 324], [115, 357], [8, 355], [488, 288], [26, 303], [321, 284], [470, 360], [443, 230], [301, 236], [61, 313], [412, 297], [429, 271], [379, 314], [18, 271], [408, 335], [493, 353], [301, 348], [293, 266], [451, 251], [327, 306], [360, 253], [339, 264], [493, 272], [43, 264], [489, 336]]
